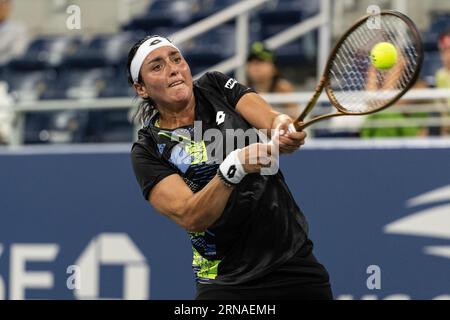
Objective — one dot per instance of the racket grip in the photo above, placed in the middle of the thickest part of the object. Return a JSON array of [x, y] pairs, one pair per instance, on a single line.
[[291, 128]]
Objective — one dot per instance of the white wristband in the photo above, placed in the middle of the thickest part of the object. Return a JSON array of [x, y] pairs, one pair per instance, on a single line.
[[232, 169]]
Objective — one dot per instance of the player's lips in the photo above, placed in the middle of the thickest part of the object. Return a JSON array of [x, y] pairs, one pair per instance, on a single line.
[[176, 83]]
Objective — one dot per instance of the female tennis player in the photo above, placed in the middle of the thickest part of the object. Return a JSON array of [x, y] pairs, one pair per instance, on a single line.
[[249, 237]]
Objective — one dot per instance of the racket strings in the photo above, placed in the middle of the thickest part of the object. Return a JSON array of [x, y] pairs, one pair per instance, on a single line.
[[358, 48], [411, 55], [353, 80], [355, 83], [351, 75]]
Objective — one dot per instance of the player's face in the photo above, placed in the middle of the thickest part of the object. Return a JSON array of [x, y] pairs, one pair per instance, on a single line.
[[167, 77], [260, 71]]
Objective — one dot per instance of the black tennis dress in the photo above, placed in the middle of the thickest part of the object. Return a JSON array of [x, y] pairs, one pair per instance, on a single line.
[[259, 247]]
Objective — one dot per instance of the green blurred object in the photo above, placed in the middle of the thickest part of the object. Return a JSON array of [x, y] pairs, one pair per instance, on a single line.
[[386, 132], [259, 52]]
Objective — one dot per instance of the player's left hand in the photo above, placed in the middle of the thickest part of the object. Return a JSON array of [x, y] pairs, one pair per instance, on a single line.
[[289, 141]]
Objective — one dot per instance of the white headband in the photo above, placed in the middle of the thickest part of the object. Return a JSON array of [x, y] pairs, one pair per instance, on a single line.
[[144, 50]]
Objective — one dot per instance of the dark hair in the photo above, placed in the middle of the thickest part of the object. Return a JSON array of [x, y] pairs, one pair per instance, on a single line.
[[444, 34], [147, 106]]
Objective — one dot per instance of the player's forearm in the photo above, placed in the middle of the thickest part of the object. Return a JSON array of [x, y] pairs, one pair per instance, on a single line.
[[256, 111], [196, 212], [206, 206]]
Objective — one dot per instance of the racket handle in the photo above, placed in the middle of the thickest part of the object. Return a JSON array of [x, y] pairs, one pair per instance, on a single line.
[[291, 128], [297, 126]]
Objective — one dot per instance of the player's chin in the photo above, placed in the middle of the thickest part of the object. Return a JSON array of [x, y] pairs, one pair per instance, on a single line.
[[181, 94]]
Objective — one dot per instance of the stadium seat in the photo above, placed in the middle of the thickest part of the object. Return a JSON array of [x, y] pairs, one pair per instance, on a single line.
[[209, 7], [117, 85], [46, 52], [3, 76], [220, 3], [308, 7], [78, 83], [431, 64], [440, 22], [430, 41], [108, 126], [210, 48], [102, 50], [98, 126], [28, 85], [303, 49], [55, 127], [291, 54], [282, 14], [35, 124], [279, 16], [163, 13]]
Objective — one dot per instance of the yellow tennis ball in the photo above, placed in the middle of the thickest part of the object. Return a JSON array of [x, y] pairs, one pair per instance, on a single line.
[[384, 55]]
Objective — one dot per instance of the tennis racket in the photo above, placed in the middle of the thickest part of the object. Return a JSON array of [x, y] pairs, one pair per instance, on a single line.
[[352, 83]]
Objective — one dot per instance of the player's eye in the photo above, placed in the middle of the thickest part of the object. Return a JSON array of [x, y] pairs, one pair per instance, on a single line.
[[177, 59], [156, 67]]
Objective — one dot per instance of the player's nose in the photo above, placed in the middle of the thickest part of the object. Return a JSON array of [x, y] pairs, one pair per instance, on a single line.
[[173, 69]]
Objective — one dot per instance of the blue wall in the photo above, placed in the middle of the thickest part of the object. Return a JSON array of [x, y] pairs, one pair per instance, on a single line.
[[348, 196]]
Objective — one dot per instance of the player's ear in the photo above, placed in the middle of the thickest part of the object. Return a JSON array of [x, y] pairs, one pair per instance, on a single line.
[[140, 90]]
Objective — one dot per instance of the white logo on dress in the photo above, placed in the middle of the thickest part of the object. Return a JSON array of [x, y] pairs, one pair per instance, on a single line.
[[230, 84], [220, 117]]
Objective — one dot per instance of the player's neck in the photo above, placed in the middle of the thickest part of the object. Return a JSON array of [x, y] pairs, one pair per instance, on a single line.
[[171, 118]]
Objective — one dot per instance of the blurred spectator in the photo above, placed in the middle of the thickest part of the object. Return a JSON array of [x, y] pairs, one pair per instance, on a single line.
[[443, 75], [405, 118], [400, 115], [14, 41], [6, 114], [264, 76], [14, 37]]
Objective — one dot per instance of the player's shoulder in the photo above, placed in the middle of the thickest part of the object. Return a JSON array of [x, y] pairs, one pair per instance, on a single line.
[[213, 78], [145, 144], [213, 75]]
